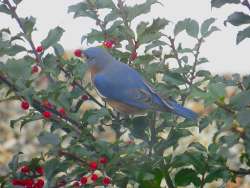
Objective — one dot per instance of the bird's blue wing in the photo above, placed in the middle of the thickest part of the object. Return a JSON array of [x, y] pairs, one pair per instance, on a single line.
[[123, 84]]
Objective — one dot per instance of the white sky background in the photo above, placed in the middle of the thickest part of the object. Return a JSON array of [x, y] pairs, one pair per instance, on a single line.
[[224, 55]]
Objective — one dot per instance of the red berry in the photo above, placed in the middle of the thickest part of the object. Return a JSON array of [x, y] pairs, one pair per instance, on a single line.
[[85, 97], [94, 177], [28, 182], [78, 53], [133, 56], [25, 169], [25, 105], [39, 49], [47, 114], [103, 160], [40, 170], [84, 180], [76, 184], [62, 111], [106, 181], [34, 69], [108, 44], [39, 183], [93, 165], [15, 182]]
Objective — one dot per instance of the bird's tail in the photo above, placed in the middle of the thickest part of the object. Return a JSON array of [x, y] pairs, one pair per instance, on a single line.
[[182, 111]]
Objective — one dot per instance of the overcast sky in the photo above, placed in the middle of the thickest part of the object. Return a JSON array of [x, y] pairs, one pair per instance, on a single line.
[[220, 48]]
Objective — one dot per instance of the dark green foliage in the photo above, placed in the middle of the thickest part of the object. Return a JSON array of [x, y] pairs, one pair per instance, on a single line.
[[153, 149]]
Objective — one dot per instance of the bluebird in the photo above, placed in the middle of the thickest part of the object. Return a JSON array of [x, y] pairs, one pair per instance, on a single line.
[[124, 89]]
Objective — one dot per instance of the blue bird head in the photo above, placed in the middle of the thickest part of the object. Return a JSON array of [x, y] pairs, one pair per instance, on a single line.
[[97, 56]]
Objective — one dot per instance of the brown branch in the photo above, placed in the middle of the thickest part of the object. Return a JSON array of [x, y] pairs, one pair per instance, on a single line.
[[240, 172], [99, 22], [225, 107], [28, 38], [132, 42], [196, 56], [72, 156]]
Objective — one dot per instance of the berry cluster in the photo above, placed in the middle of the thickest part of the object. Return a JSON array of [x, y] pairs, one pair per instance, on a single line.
[[45, 103], [29, 177], [94, 177], [108, 44]]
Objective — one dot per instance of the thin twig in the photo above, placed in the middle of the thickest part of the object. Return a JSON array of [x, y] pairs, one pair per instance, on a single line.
[[72, 156], [28, 38], [132, 42], [39, 107]]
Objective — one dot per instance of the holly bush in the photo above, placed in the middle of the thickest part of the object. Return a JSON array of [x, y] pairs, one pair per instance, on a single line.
[[150, 150]]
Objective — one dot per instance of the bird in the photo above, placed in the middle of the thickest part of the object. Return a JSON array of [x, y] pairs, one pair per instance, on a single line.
[[124, 89]]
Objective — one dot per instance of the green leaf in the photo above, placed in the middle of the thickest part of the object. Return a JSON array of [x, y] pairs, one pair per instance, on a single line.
[[17, 1], [13, 50], [53, 37], [179, 27], [244, 117], [241, 100], [174, 136], [174, 78], [212, 29], [206, 24], [213, 148], [141, 27], [245, 33], [155, 44], [48, 138], [105, 4], [203, 124], [198, 146], [139, 126], [220, 3], [217, 173], [192, 28], [81, 10], [28, 24], [113, 15], [246, 81], [4, 9], [203, 73], [238, 18], [151, 33], [150, 178], [93, 36], [18, 69], [58, 48], [140, 9], [14, 163], [186, 176], [217, 90], [205, 31]]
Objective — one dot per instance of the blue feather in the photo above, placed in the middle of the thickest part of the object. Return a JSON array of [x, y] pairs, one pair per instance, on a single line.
[[182, 111]]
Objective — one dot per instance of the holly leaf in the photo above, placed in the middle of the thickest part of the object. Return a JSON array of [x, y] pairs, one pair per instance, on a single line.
[[151, 33], [220, 3], [28, 24], [179, 27], [192, 27], [53, 37], [245, 33], [140, 9], [4, 9], [186, 176], [238, 18]]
